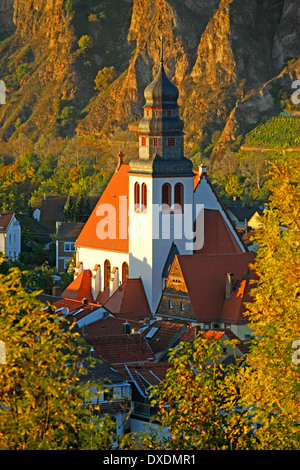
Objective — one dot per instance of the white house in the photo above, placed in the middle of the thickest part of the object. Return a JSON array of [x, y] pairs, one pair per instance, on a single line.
[[10, 236]]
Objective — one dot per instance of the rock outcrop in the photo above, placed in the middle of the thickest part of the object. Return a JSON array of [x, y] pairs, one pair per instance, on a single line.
[[229, 58]]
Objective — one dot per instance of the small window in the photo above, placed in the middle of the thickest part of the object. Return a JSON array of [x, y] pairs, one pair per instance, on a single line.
[[169, 113], [156, 113], [182, 305], [206, 326], [155, 141], [166, 194], [136, 196], [107, 271], [148, 112], [170, 303], [69, 247], [144, 141], [178, 195], [171, 141], [125, 271]]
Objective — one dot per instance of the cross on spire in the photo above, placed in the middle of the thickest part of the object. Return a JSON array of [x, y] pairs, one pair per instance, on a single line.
[[161, 49]]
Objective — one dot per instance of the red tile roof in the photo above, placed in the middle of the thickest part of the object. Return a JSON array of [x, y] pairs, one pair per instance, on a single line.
[[234, 308], [5, 220], [120, 349], [75, 307], [109, 326], [218, 238], [197, 180], [129, 301], [80, 287], [204, 277], [117, 186], [162, 334]]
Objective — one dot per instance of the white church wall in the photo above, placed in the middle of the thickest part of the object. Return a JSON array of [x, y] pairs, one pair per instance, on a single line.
[[152, 233], [91, 257]]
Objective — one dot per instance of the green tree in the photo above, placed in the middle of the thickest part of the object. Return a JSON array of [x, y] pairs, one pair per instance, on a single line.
[[79, 208], [105, 77], [85, 43], [45, 405], [69, 210], [67, 116], [269, 384], [18, 123]]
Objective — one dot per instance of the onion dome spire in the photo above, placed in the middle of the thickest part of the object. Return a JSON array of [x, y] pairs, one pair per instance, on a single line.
[[161, 129]]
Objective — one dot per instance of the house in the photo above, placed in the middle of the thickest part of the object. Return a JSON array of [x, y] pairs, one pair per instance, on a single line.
[[51, 211], [112, 393], [66, 235], [10, 236], [208, 290]]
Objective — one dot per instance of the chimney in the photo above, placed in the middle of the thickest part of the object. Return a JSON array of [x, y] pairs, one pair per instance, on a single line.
[[120, 162], [202, 170], [84, 301], [56, 291], [229, 279]]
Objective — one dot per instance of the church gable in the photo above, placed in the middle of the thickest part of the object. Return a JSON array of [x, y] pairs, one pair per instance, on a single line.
[[175, 301]]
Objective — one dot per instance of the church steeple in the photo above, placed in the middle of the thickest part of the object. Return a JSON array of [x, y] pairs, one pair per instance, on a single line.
[[160, 133]]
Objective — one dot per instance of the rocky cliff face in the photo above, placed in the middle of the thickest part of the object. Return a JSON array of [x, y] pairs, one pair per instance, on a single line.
[[229, 58]]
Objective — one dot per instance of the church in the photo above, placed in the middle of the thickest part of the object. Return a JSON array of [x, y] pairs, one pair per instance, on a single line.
[[157, 216]]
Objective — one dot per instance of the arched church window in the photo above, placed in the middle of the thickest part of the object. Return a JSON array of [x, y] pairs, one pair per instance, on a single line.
[[125, 271], [107, 271], [136, 196], [178, 195], [144, 196], [166, 194]]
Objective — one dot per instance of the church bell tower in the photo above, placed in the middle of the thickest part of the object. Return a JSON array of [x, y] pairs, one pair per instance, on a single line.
[[160, 188]]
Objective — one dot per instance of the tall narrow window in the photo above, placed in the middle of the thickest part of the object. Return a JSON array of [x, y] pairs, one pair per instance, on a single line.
[[178, 195], [155, 141], [148, 112], [107, 270], [144, 196], [166, 194], [144, 141], [125, 271], [136, 196], [169, 113]]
